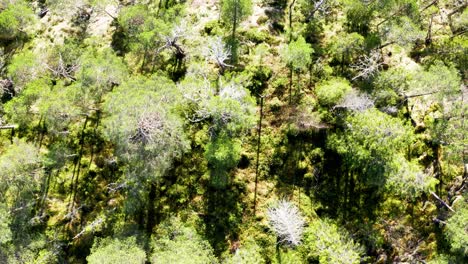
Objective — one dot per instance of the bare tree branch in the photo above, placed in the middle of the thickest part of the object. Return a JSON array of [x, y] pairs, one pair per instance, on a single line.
[[442, 201], [368, 65], [356, 101], [218, 53], [287, 222], [63, 70]]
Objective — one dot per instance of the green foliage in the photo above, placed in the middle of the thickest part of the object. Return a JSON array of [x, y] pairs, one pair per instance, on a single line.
[[297, 55], [407, 179], [21, 109], [106, 144], [25, 67], [223, 153], [358, 16], [20, 173], [372, 137], [15, 17], [456, 231], [403, 32], [5, 220], [346, 46], [287, 256], [256, 36], [396, 79], [46, 256], [235, 11], [110, 251], [330, 92], [144, 126], [233, 109], [325, 242], [439, 79], [180, 243], [249, 253], [58, 106], [134, 19], [100, 71], [30, 250], [145, 33]]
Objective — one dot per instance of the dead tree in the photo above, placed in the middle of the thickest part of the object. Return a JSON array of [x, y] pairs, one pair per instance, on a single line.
[[218, 53], [172, 42], [368, 65], [318, 6], [286, 220], [62, 70]]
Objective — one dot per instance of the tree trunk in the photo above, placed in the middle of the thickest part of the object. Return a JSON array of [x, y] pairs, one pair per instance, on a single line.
[[298, 89], [45, 192], [43, 130], [258, 153], [150, 221], [290, 19], [437, 167], [39, 131], [234, 21], [464, 159], [290, 85], [144, 59], [76, 168], [98, 119], [428, 40]]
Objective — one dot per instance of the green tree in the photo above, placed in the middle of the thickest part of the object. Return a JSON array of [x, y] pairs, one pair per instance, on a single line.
[[358, 16], [25, 67], [374, 147], [298, 57], [232, 113], [233, 110], [325, 242], [248, 253], [331, 92], [20, 181], [456, 231], [346, 47], [177, 242], [223, 153], [235, 11], [146, 34], [20, 110], [20, 174], [5, 220], [148, 134], [436, 96], [110, 251], [99, 71], [15, 18]]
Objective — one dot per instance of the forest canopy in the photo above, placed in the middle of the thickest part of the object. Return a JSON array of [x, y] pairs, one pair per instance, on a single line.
[[233, 131]]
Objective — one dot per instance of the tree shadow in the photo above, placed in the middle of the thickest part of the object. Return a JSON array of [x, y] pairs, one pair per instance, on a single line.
[[297, 161], [275, 11], [223, 215]]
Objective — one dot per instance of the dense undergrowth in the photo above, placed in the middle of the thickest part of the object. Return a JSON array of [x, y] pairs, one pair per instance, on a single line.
[[233, 131]]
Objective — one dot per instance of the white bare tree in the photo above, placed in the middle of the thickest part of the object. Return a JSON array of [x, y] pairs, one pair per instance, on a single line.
[[218, 53], [287, 221], [177, 34], [356, 101], [368, 65], [323, 7], [60, 69]]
